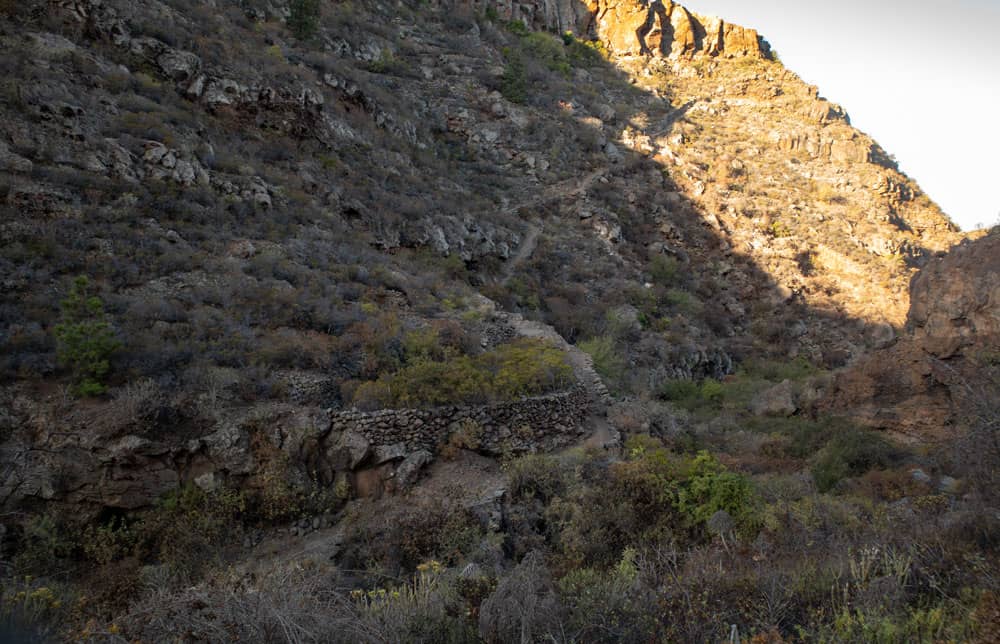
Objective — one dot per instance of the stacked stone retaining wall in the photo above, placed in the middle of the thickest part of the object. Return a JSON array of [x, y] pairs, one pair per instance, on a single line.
[[537, 423]]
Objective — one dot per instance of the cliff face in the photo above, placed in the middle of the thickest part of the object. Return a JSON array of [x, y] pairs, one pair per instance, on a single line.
[[921, 386], [955, 301], [632, 27], [670, 30]]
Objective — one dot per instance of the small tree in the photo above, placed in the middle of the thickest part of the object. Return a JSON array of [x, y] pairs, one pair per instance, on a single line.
[[86, 339], [304, 18]]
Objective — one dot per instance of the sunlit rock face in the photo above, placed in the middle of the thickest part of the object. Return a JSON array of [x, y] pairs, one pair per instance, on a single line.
[[635, 27], [917, 387], [667, 29], [955, 301]]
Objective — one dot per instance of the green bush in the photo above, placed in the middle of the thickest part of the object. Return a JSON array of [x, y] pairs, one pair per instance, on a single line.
[[535, 476], [303, 18], [514, 82], [696, 487], [517, 28], [852, 453], [526, 367], [708, 488], [584, 53], [687, 394], [86, 339], [651, 494], [665, 270], [777, 371], [547, 50], [711, 391], [684, 302]]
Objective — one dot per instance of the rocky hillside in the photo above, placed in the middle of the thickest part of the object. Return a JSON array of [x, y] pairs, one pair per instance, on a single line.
[[287, 269], [267, 205]]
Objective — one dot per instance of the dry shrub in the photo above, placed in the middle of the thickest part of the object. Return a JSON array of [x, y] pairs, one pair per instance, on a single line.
[[302, 604], [404, 533], [298, 606], [524, 607]]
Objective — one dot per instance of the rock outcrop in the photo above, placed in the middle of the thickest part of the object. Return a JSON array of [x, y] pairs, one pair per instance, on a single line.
[[635, 27], [955, 301], [669, 30], [918, 386]]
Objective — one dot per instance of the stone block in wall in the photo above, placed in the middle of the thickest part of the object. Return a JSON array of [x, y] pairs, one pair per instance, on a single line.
[[393, 452]]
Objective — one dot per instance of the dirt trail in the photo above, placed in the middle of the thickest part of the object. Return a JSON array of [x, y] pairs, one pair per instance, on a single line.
[[561, 190]]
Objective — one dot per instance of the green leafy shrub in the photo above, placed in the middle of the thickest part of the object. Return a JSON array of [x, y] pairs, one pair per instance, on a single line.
[[535, 476], [779, 229], [526, 367], [711, 391], [585, 53], [548, 50], [852, 453], [86, 339], [608, 605], [685, 393], [388, 63], [514, 82], [517, 28], [778, 370], [708, 488], [665, 270], [696, 487], [689, 395], [650, 496], [45, 546], [683, 302], [303, 18], [187, 529]]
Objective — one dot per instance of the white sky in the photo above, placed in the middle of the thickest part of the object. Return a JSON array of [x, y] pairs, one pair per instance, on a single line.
[[922, 78]]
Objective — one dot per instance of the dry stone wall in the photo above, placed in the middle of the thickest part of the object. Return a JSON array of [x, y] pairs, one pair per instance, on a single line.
[[541, 422]]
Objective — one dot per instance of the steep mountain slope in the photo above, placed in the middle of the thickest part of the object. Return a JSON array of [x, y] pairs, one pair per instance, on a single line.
[[324, 243]]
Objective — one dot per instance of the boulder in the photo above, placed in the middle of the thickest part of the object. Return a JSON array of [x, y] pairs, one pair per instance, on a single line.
[[409, 470], [955, 301], [386, 453], [179, 66], [351, 451]]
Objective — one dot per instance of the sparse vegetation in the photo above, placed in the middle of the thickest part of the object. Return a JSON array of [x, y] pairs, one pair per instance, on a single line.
[[86, 339], [323, 232], [303, 17]]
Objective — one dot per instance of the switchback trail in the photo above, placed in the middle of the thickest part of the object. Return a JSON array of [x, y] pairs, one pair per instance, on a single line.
[[561, 190]]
